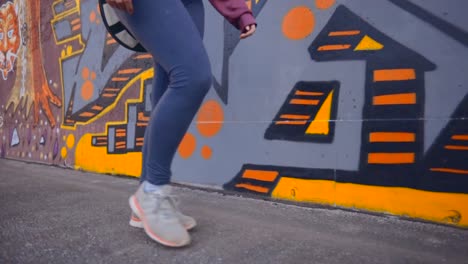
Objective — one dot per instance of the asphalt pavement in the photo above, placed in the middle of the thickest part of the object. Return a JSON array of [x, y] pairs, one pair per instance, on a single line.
[[56, 215]]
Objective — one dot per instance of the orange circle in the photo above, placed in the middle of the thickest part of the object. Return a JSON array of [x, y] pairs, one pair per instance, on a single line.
[[92, 16], [210, 118], [63, 153], [85, 73], [87, 90], [70, 141], [324, 4], [206, 152], [93, 75], [187, 146], [298, 23]]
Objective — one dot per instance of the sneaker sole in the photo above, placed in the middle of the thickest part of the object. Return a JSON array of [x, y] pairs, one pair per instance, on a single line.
[[190, 227], [138, 211], [136, 222]]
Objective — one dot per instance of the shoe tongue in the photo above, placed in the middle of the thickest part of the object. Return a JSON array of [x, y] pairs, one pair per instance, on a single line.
[[164, 190], [166, 204]]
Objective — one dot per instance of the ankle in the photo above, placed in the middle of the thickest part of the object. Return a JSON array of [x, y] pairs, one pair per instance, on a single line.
[[149, 187]]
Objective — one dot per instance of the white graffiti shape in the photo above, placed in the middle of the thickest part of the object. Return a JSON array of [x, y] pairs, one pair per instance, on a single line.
[[15, 140], [6, 63]]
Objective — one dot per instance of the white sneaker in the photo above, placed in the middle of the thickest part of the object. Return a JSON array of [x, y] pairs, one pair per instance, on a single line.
[[160, 217]]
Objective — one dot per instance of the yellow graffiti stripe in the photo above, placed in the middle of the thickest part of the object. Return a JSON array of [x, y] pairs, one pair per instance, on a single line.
[[67, 12], [76, 37], [62, 16], [96, 159], [451, 208], [147, 74], [142, 77]]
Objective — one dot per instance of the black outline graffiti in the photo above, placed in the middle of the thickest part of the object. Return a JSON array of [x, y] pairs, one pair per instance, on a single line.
[[296, 132], [116, 138], [109, 94], [407, 118], [450, 153], [395, 117]]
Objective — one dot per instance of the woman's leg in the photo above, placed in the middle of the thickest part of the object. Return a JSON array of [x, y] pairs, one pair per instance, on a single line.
[[196, 10], [161, 81], [166, 29]]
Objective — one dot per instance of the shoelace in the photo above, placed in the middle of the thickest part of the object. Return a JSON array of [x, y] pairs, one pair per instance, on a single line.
[[171, 210]]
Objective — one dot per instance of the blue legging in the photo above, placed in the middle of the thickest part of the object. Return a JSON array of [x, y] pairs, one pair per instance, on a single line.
[[172, 31]]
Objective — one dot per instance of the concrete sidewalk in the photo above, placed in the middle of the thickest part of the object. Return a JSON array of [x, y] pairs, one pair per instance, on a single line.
[[54, 215]]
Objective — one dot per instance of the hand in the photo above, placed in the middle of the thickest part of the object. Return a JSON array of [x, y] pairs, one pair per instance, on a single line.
[[125, 5], [249, 30]]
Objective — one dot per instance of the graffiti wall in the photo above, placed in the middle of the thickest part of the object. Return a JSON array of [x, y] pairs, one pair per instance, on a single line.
[[349, 103]]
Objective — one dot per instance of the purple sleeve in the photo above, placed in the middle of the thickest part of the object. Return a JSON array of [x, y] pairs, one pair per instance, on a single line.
[[235, 11]]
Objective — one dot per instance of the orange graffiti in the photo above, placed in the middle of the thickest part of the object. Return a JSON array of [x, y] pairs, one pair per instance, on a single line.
[[334, 47], [187, 146], [92, 16], [395, 99], [298, 23], [87, 89], [304, 102], [252, 187], [344, 33], [206, 152], [391, 158], [210, 118], [324, 4], [453, 147], [43, 93], [455, 171], [8, 45], [394, 75], [392, 137], [260, 175]]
